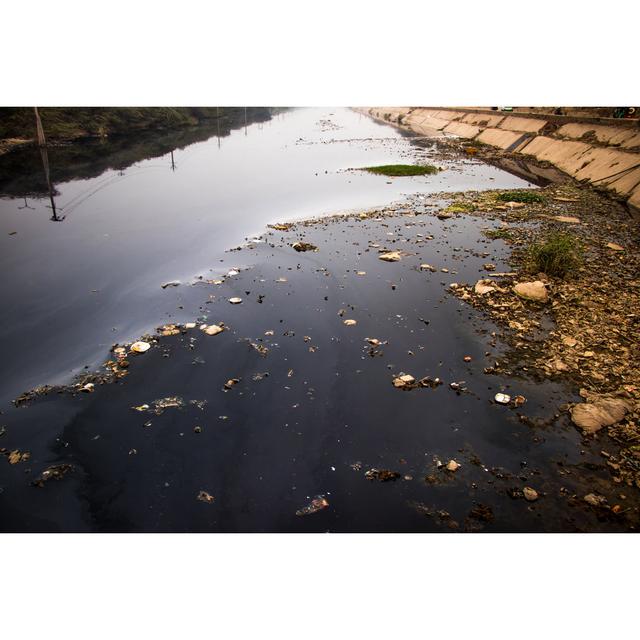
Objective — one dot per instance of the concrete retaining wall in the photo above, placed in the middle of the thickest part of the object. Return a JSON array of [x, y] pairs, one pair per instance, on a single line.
[[604, 155]]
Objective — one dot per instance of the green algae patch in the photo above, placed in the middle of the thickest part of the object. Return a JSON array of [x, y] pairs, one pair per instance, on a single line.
[[398, 170]]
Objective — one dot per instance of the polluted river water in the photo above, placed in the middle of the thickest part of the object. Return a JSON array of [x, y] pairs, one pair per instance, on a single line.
[[288, 419]]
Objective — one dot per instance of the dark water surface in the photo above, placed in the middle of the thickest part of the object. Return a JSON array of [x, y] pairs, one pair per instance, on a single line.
[[70, 289], [317, 410]]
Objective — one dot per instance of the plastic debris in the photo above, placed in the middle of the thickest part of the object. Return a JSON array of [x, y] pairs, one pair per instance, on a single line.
[[203, 496], [502, 398]]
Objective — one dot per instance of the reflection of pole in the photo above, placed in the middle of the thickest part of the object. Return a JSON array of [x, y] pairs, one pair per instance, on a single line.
[[245, 121], [173, 164], [26, 206], [42, 143]]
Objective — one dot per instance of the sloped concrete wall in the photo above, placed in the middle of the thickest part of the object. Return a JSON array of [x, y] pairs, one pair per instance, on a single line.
[[604, 155]]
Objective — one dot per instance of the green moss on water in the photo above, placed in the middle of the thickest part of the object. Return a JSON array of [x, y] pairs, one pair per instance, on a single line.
[[397, 170], [520, 196]]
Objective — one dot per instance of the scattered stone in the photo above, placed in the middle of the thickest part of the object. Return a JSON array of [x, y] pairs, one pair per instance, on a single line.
[[403, 380], [304, 246], [483, 287], [281, 226], [530, 495], [56, 472], [350, 323], [595, 500], [213, 329], [452, 466], [17, 456], [482, 512], [427, 267], [502, 398], [231, 382], [444, 214], [535, 291], [172, 283], [390, 256], [567, 219], [169, 330], [203, 496], [614, 246], [600, 411], [383, 475], [140, 346]]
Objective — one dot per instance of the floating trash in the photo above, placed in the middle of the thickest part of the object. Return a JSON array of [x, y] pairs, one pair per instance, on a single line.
[[317, 504], [502, 398], [382, 475], [203, 496], [235, 300], [304, 246], [350, 323]]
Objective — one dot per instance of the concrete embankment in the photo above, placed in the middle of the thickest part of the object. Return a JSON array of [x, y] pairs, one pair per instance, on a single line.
[[603, 152]]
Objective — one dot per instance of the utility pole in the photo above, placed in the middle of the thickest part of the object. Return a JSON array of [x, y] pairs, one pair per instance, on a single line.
[[42, 143], [173, 164]]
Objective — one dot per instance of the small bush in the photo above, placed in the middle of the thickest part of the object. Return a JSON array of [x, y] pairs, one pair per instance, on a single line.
[[520, 196], [396, 170], [557, 255]]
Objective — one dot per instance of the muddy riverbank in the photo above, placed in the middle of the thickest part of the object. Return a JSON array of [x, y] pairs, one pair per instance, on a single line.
[[292, 417]]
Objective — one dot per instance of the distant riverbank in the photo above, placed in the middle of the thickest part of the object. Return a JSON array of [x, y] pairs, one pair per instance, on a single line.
[[62, 124]]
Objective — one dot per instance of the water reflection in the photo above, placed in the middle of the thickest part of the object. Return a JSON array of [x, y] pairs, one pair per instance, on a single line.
[[21, 171]]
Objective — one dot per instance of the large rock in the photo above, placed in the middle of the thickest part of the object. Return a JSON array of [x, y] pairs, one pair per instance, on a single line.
[[602, 412], [536, 291]]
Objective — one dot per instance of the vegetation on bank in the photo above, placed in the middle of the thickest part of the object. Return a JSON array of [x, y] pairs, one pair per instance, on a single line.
[[61, 123], [396, 170], [558, 254], [519, 196]]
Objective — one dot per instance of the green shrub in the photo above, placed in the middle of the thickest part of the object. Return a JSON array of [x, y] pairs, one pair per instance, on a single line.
[[557, 255]]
